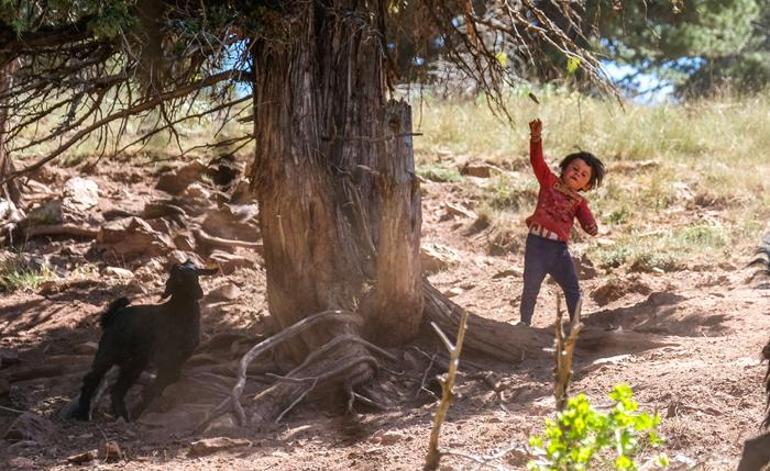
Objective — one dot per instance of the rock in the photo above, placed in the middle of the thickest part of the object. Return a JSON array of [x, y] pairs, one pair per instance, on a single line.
[[185, 242], [110, 452], [6, 209], [196, 191], [120, 273], [132, 237], [456, 291], [451, 210], [49, 212], [481, 170], [208, 446], [29, 426], [86, 348], [181, 256], [80, 195], [511, 272], [227, 291], [82, 458], [176, 181], [436, 257], [228, 262], [227, 224]]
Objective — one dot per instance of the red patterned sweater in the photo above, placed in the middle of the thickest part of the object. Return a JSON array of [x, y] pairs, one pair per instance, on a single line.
[[557, 204]]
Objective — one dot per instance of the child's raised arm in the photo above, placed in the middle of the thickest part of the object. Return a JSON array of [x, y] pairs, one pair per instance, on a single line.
[[536, 151]]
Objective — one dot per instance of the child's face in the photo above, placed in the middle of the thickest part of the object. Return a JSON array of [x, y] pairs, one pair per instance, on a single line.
[[577, 175]]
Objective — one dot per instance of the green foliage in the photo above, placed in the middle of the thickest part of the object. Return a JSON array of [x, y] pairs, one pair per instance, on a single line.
[[583, 438], [700, 45], [439, 173]]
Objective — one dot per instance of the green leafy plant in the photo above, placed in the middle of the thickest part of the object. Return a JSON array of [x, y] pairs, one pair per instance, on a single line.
[[583, 438]]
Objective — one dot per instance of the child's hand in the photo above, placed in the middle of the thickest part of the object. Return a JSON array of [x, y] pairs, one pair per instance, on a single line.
[[535, 126]]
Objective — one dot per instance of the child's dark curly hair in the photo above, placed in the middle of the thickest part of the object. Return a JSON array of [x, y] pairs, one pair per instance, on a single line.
[[597, 167]]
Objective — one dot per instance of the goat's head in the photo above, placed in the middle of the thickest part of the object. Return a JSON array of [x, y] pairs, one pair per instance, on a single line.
[[183, 280]]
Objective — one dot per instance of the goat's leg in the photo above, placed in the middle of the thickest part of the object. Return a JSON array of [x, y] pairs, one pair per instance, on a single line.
[[165, 377], [129, 373], [102, 363]]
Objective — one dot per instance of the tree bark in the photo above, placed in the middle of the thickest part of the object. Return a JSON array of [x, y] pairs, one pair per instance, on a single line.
[[334, 177]]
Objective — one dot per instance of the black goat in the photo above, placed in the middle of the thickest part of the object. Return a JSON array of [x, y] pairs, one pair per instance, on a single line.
[[133, 337]]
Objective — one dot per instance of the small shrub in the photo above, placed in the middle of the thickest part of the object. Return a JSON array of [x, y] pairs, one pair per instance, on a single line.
[[438, 173], [583, 438]]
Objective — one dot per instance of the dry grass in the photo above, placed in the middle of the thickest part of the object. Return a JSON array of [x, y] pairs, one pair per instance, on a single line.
[[685, 182]]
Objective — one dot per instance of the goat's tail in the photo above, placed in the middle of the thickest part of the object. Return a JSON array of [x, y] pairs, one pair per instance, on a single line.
[[109, 315]]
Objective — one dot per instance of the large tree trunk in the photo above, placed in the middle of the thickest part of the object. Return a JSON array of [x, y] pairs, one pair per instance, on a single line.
[[339, 200]]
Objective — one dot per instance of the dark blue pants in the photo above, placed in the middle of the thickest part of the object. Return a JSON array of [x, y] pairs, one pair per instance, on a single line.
[[547, 257]]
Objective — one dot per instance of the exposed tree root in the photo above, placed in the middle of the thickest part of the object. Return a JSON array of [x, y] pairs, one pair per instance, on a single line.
[[338, 359], [499, 340], [220, 242], [61, 230]]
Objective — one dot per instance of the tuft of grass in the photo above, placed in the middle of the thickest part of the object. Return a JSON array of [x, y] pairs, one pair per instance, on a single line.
[[18, 273], [439, 173]]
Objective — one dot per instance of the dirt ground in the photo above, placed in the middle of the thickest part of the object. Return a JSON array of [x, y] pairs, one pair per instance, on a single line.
[[692, 355]]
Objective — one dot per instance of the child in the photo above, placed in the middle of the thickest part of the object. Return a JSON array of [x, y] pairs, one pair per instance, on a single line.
[[558, 203]]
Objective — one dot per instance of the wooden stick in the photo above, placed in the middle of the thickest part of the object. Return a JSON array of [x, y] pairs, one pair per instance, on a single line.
[[447, 395], [563, 354]]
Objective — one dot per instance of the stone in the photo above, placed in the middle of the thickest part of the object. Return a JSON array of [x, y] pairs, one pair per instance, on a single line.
[[116, 272], [480, 170], [436, 257], [227, 291], [451, 210], [132, 237], [228, 262], [176, 181], [49, 212], [510, 272], [80, 194], [82, 458], [29, 426], [208, 446], [196, 191]]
